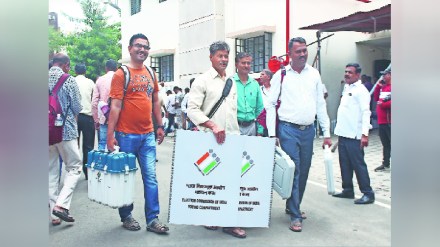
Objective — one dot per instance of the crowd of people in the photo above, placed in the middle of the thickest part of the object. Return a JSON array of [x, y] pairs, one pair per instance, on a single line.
[[122, 121]]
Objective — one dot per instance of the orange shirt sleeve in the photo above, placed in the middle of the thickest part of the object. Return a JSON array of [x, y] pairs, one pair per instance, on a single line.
[[117, 86]]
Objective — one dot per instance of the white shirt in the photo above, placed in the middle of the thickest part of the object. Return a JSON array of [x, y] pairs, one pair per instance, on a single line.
[[354, 112], [184, 102], [177, 100], [301, 99], [206, 90], [265, 95], [86, 87], [171, 100]]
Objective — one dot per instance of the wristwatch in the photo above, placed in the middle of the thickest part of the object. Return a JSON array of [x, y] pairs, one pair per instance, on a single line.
[[161, 127]]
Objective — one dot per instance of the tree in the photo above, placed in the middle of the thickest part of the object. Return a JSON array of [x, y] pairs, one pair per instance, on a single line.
[[93, 45]]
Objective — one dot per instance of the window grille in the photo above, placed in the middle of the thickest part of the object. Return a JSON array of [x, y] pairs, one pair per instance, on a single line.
[[259, 47]]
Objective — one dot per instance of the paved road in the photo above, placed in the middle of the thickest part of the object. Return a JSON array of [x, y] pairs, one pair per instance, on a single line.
[[331, 221]]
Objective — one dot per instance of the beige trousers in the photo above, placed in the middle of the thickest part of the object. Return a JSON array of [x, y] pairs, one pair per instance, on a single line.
[[61, 194]]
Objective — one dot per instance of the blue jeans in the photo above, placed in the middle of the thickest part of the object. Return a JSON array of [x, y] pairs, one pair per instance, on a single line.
[[298, 144], [102, 137], [143, 146], [351, 158]]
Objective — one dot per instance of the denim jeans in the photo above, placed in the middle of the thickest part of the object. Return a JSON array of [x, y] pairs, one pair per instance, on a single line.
[[351, 158], [143, 146], [298, 144], [102, 137]]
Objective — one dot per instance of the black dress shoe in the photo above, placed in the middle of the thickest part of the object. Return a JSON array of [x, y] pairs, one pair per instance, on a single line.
[[344, 195], [365, 200]]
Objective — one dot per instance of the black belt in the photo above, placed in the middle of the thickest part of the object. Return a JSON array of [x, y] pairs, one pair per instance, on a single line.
[[298, 126], [246, 123]]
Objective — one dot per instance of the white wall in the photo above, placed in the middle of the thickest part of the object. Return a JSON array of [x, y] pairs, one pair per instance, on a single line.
[[201, 22]]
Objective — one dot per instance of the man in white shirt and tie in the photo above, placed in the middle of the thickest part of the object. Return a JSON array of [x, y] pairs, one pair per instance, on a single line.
[[352, 128]]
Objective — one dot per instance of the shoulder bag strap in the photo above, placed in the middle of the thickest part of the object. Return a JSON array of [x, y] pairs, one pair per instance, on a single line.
[[126, 71], [59, 84], [283, 73], [225, 93]]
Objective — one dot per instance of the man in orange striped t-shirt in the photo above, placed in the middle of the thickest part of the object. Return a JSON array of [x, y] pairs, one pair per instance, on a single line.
[[130, 126]]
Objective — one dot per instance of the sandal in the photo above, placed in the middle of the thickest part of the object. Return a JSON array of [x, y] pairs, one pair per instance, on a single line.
[[233, 231], [157, 227], [296, 226], [131, 224], [63, 214], [56, 222], [212, 228]]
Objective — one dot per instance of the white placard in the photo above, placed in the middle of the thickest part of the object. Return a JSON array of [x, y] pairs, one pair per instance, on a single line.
[[221, 185]]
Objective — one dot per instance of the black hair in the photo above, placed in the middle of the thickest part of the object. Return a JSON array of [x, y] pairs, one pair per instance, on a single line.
[[80, 69], [137, 36], [218, 46], [356, 66], [111, 65], [60, 58], [296, 39], [241, 55], [50, 63], [187, 90]]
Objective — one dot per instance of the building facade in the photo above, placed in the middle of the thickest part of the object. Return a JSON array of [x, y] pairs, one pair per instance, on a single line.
[[180, 32]]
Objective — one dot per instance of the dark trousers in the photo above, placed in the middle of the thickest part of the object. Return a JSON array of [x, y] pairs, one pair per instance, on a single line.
[[171, 118], [87, 128], [351, 158], [385, 138]]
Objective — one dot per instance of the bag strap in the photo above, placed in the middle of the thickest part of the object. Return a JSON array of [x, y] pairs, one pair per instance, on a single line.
[[283, 73], [59, 84], [225, 93], [152, 74]]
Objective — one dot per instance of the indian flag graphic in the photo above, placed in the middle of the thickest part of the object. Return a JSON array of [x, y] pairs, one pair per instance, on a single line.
[[246, 163], [207, 162]]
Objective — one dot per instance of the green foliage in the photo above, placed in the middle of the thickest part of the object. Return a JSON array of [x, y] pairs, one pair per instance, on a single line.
[[94, 45]]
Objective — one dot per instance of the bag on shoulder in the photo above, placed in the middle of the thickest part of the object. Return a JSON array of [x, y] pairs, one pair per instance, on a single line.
[[56, 117], [127, 80]]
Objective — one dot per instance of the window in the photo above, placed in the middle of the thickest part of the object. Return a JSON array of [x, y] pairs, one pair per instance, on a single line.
[[260, 48], [164, 67], [135, 6]]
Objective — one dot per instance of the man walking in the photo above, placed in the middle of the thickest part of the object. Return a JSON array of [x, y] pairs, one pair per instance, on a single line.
[[205, 92], [250, 102], [99, 102], [170, 111], [130, 126], [85, 119], [382, 95], [352, 128], [70, 101], [301, 99]]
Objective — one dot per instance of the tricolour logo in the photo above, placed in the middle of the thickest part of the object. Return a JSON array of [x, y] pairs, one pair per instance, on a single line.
[[207, 162], [246, 163]]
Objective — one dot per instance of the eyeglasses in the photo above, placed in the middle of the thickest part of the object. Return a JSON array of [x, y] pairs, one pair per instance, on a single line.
[[139, 46]]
